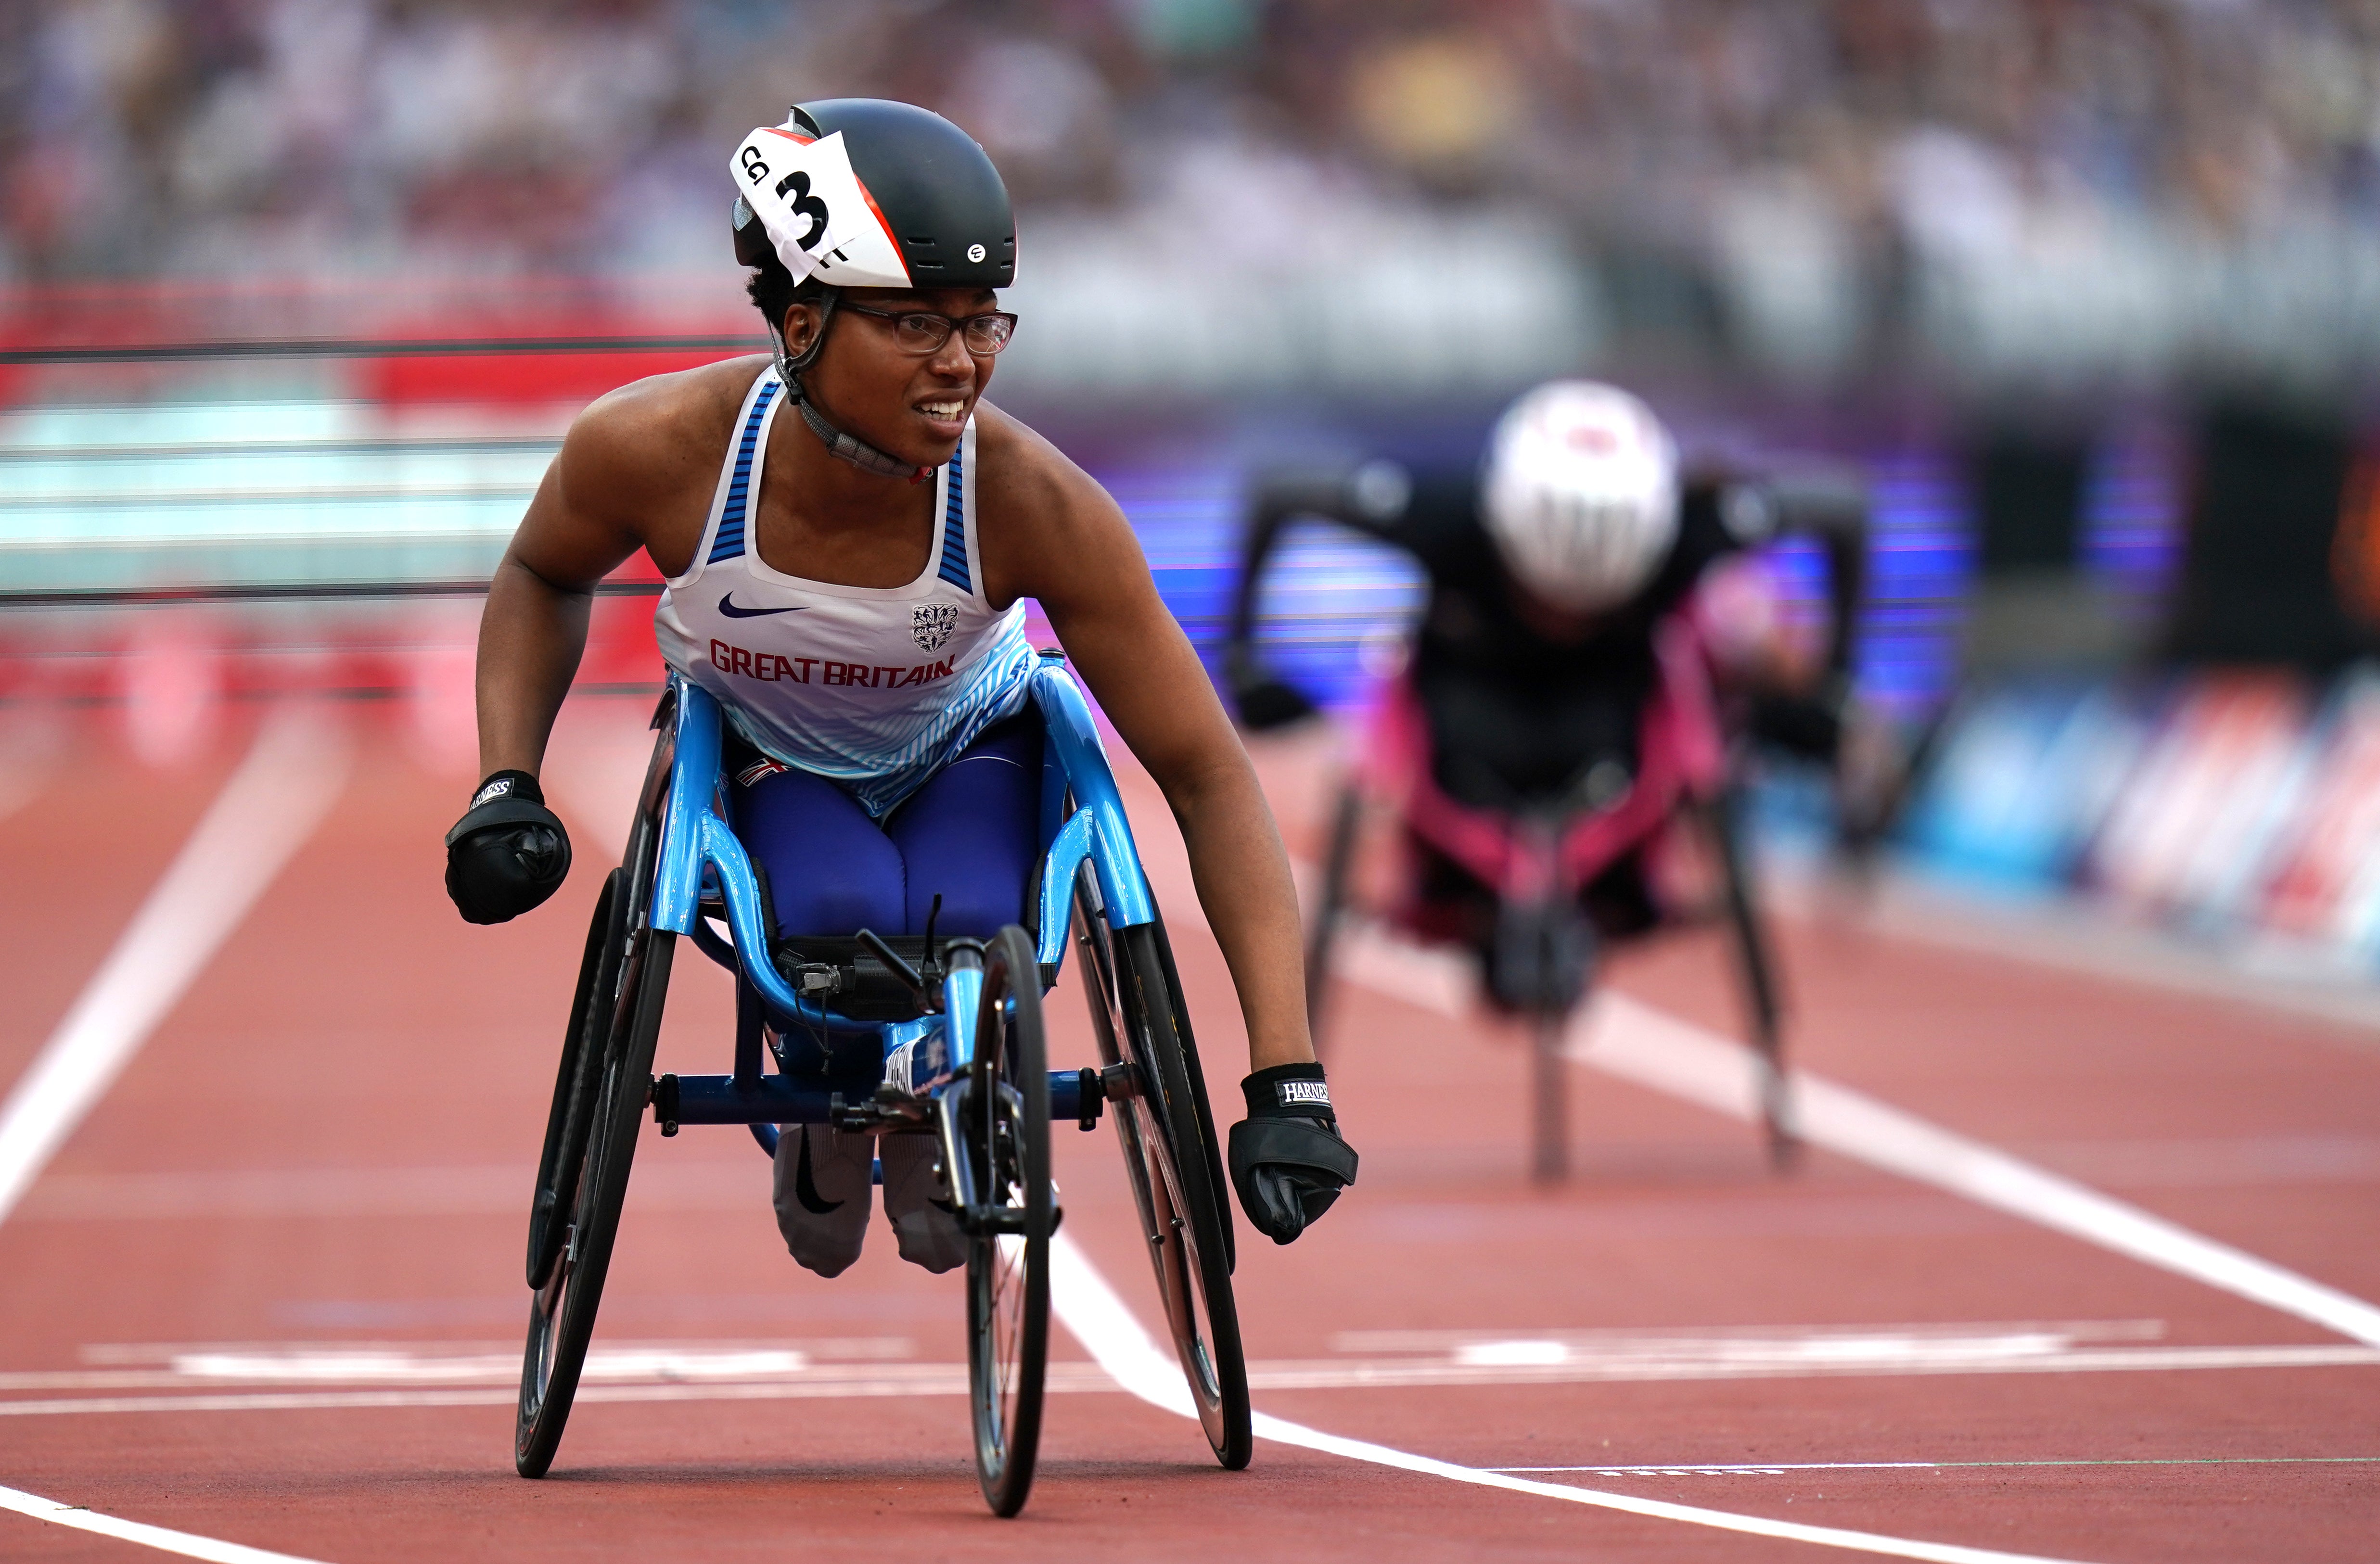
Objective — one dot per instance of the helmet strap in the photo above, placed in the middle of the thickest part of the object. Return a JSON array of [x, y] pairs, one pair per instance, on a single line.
[[850, 447]]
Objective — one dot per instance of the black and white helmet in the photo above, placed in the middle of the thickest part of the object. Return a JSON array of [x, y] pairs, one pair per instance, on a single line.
[[865, 192], [1580, 492]]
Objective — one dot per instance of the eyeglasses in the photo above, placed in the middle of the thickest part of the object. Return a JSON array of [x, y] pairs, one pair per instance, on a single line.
[[922, 331]]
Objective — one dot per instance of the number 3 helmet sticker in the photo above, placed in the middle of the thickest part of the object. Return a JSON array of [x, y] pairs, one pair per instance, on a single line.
[[817, 214]]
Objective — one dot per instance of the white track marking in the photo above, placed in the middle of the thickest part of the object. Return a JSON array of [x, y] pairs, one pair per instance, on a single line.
[[1625, 1038], [1091, 1310], [267, 810], [1631, 1040], [1779, 1469], [366, 1383], [158, 1537]]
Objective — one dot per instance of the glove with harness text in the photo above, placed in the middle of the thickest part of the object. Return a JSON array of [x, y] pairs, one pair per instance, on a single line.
[[508, 853], [1288, 1163]]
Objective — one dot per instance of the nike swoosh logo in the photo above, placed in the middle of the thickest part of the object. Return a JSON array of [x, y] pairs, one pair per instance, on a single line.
[[727, 606], [806, 1188]]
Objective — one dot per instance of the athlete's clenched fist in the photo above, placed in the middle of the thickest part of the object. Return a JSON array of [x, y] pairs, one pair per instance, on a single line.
[[1288, 1160], [508, 853]]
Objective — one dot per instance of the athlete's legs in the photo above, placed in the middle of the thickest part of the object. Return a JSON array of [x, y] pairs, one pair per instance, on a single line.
[[823, 1195], [918, 1204], [831, 870], [972, 833]]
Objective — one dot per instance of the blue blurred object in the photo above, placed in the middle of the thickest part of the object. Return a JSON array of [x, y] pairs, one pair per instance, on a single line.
[[2023, 777]]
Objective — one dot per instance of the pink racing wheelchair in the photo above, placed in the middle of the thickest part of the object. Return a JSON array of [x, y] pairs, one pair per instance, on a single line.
[[1639, 830]]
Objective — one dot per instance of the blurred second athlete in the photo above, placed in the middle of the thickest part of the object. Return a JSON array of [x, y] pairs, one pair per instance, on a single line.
[[1552, 563]]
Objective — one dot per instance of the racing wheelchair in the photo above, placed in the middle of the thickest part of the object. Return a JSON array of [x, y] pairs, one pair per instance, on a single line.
[[1561, 875], [970, 1013]]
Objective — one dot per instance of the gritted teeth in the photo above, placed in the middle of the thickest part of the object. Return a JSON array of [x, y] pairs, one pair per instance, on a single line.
[[950, 410]]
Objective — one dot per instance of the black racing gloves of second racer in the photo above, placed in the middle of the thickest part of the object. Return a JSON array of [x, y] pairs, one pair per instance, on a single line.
[[508, 853], [1288, 1163]]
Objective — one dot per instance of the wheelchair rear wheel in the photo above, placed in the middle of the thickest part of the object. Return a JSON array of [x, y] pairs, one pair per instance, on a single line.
[[1007, 1118], [1172, 1159], [562, 1313]]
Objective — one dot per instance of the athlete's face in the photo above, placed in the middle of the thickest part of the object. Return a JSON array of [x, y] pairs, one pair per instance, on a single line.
[[909, 404]]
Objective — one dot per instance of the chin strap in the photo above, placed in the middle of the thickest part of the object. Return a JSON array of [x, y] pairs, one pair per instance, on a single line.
[[850, 447]]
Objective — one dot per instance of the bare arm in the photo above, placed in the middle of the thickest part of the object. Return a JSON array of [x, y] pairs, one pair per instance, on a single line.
[[1079, 558], [616, 486]]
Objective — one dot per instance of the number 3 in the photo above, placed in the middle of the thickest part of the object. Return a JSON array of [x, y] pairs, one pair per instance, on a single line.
[[805, 204]]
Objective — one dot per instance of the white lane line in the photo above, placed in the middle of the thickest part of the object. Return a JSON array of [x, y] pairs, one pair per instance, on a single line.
[[923, 1379], [1628, 1038], [267, 810], [1637, 1043], [454, 1386], [158, 1537], [1099, 1318], [1778, 1469]]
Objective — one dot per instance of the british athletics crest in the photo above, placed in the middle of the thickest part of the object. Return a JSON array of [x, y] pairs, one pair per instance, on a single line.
[[932, 623]]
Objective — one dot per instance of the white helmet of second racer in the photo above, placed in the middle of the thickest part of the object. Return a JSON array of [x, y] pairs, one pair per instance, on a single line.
[[1580, 494]]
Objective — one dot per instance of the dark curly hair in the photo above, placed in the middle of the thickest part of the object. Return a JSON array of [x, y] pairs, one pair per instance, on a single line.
[[772, 290]]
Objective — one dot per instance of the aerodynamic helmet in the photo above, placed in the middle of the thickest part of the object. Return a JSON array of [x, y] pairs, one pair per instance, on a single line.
[[1580, 492], [865, 192]]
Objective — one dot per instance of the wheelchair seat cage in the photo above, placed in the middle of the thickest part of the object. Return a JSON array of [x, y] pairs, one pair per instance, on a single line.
[[702, 864]]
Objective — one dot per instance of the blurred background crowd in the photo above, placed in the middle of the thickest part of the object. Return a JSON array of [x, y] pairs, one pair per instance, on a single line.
[[2089, 289], [2041, 190]]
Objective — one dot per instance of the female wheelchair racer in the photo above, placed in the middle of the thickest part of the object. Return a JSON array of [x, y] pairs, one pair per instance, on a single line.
[[844, 587], [1592, 657]]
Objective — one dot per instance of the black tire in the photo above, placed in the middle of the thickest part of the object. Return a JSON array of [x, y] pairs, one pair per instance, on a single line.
[[1170, 1152], [562, 1312], [1757, 970], [575, 1081], [1007, 1119]]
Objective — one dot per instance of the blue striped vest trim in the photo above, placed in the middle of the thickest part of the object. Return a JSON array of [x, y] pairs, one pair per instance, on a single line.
[[955, 560], [729, 542]]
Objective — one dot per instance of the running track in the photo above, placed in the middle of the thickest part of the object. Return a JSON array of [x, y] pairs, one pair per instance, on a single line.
[[267, 1290]]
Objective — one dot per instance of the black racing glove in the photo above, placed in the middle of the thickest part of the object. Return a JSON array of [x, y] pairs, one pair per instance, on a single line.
[[1288, 1163], [508, 853]]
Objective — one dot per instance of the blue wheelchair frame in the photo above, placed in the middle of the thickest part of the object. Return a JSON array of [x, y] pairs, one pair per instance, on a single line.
[[701, 859]]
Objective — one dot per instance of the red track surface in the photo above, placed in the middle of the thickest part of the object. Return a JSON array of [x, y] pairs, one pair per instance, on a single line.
[[330, 1140]]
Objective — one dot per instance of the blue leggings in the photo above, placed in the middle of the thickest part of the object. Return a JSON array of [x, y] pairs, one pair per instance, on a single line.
[[971, 834]]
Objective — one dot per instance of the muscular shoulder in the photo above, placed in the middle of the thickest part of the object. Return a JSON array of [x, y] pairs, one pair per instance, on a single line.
[[635, 449], [1043, 522]]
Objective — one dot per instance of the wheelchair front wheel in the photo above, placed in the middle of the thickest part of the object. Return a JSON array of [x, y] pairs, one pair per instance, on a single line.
[[562, 1313], [1007, 1118], [1170, 1155]]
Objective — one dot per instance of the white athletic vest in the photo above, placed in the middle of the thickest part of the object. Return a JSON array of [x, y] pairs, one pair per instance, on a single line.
[[876, 687]]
